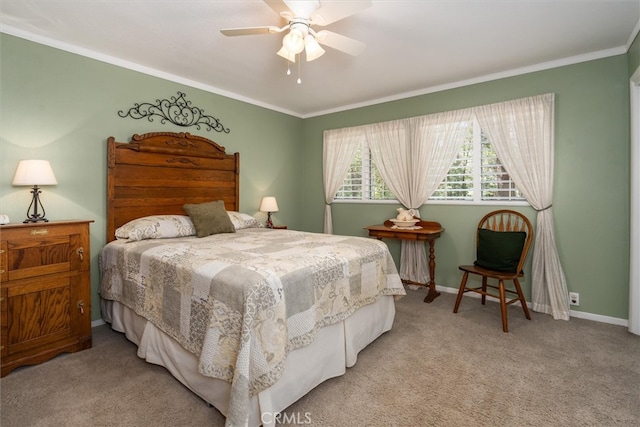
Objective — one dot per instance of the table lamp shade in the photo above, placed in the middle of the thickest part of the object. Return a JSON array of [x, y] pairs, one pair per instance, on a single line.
[[269, 204], [34, 172]]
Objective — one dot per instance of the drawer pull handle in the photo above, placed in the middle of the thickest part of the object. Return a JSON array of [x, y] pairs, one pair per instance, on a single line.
[[81, 306], [39, 232], [80, 252], [1, 251]]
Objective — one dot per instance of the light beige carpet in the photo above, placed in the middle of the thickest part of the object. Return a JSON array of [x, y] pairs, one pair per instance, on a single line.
[[434, 368]]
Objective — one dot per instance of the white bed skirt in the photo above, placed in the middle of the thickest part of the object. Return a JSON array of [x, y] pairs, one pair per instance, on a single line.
[[335, 348]]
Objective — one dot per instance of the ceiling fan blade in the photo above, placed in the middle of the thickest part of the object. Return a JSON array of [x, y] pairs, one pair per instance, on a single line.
[[340, 42], [278, 6], [250, 31], [335, 11]]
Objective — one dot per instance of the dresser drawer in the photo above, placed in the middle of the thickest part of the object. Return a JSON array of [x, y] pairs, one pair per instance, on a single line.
[[44, 311], [32, 251]]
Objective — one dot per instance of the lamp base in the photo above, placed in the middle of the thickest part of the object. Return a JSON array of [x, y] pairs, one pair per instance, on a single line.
[[35, 202], [269, 221], [31, 219]]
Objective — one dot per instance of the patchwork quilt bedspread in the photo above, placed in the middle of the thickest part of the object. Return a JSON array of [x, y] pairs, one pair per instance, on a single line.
[[241, 301]]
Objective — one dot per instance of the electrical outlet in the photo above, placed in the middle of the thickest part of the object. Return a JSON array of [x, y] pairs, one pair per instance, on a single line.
[[574, 298]]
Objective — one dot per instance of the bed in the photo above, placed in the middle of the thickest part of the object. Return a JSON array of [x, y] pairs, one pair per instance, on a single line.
[[248, 318]]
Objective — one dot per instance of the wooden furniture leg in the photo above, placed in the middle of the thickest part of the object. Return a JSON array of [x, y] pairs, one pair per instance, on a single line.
[[432, 272], [503, 306], [523, 302], [463, 283]]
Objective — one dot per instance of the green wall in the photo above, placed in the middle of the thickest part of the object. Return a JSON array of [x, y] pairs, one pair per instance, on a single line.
[[591, 201], [62, 107]]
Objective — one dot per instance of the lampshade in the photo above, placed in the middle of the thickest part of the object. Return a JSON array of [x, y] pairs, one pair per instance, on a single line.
[[291, 57], [34, 172], [312, 48], [294, 42], [269, 204]]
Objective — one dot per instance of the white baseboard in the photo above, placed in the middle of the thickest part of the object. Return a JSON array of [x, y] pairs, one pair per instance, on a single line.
[[577, 314], [599, 318]]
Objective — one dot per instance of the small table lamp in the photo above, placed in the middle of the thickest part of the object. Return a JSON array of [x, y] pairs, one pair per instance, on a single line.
[[269, 205], [34, 172]]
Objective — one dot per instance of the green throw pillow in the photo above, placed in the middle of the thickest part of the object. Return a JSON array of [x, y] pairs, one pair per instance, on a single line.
[[210, 218], [499, 250]]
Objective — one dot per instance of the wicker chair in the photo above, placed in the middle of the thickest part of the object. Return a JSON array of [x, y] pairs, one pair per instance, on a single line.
[[503, 240]]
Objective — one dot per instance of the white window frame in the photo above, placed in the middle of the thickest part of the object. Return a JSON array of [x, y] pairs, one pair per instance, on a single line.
[[477, 181]]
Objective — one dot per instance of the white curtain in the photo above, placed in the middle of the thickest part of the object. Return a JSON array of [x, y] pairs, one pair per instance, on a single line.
[[339, 148], [522, 133], [413, 156]]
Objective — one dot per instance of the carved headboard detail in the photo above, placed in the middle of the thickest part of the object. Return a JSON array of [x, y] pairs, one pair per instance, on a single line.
[[157, 173]]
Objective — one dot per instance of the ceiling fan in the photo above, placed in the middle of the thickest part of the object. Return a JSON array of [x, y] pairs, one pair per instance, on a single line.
[[300, 17]]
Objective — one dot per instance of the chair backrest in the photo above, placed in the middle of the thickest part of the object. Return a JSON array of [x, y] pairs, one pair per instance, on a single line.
[[508, 220]]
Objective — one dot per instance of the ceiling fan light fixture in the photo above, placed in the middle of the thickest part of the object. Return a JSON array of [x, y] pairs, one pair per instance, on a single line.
[[294, 41], [299, 34], [312, 48]]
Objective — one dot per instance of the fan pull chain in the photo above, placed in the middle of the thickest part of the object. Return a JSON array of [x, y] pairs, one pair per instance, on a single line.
[[299, 79]]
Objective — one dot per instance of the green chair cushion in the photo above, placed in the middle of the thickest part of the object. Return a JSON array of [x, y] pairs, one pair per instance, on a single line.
[[499, 250]]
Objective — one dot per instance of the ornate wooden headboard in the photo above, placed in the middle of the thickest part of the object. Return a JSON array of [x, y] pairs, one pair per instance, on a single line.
[[157, 173]]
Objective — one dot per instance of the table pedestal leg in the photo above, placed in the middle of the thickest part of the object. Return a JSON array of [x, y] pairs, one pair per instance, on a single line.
[[432, 292], [432, 273]]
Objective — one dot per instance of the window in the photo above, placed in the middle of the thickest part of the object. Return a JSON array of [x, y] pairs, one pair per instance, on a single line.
[[363, 181], [476, 176]]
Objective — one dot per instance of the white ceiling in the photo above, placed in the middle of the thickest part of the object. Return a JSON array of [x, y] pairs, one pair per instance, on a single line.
[[413, 47]]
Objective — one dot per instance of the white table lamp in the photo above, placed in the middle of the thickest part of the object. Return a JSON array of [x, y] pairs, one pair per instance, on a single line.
[[268, 205], [34, 173]]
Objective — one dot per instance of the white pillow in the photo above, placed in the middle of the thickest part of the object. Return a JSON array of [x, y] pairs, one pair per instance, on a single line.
[[157, 227], [242, 220]]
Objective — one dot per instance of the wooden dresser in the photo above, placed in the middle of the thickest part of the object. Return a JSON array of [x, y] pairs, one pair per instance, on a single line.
[[45, 291]]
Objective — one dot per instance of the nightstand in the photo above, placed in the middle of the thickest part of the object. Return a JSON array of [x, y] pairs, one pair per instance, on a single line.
[[45, 291], [279, 227]]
